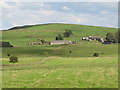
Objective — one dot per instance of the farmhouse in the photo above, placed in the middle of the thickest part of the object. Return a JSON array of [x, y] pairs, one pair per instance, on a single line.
[[60, 42], [93, 38], [5, 44]]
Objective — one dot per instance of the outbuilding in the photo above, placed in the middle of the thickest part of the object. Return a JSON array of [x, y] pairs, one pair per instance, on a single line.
[[60, 42], [5, 44]]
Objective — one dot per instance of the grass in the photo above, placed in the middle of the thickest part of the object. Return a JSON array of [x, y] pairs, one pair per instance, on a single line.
[[78, 50], [48, 33], [59, 72], [60, 68]]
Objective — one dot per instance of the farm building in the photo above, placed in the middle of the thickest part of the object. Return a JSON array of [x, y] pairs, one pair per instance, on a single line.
[[35, 43], [60, 42], [5, 44], [106, 42], [93, 38]]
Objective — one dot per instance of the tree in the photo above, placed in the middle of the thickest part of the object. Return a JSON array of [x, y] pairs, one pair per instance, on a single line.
[[67, 33], [117, 35], [111, 37], [42, 41], [59, 37]]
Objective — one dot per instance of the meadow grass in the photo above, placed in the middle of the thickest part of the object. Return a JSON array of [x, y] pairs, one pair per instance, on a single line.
[[77, 50], [60, 68], [58, 72], [21, 37]]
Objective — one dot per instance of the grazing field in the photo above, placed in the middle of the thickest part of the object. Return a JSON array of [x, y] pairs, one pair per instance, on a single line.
[[81, 49], [58, 72], [21, 37], [64, 66]]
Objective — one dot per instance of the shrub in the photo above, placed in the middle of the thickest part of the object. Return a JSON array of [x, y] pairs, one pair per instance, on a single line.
[[113, 37], [42, 41], [45, 53], [13, 59], [67, 33], [95, 54], [102, 53], [59, 37], [70, 51], [8, 55]]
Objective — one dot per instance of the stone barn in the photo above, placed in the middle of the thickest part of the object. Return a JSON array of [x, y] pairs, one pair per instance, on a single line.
[[5, 44], [60, 42]]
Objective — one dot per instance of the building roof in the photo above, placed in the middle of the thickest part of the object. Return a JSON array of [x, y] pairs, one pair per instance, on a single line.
[[60, 41]]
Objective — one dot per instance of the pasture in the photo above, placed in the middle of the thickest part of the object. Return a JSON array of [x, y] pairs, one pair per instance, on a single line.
[[64, 66], [57, 72]]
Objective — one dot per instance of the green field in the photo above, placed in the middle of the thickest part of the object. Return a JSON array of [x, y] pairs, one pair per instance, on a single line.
[[60, 68], [56, 72]]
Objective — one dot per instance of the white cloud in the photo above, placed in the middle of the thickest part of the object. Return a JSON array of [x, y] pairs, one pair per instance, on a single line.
[[21, 14], [66, 8], [4, 5], [22, 17]]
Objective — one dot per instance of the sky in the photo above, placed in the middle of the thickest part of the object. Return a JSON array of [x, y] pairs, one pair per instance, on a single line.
[[86, 13]]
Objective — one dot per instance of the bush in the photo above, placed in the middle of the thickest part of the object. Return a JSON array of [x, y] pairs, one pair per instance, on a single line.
[[70, 51], [95, 54], [45, 53], [113, 37], [42, 41], [8, 55], [13, 59], [59, 37], [67, 33]]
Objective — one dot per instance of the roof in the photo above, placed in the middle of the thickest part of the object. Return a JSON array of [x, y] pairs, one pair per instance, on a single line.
[[60, 41]]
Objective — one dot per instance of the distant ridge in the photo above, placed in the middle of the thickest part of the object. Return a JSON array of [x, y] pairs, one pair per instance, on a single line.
[[25, 26], [28, 26]]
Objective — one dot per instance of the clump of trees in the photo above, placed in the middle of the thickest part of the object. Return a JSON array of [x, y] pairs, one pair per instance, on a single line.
[[42, 41], [67, 33], [59, 37], [113, 37]]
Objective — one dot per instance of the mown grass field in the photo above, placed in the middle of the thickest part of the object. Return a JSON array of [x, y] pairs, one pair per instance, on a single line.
[[60, 68]]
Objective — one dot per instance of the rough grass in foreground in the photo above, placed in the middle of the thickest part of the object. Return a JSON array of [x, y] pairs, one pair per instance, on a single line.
[[58, 72]]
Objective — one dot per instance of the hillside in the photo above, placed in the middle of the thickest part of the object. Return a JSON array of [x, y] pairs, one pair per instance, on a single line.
[[20, 38], [59, 66], [25, 34]]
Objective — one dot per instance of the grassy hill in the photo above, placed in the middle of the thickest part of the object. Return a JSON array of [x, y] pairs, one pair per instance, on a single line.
[[60, 68], [48, 32], [21, 36]]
